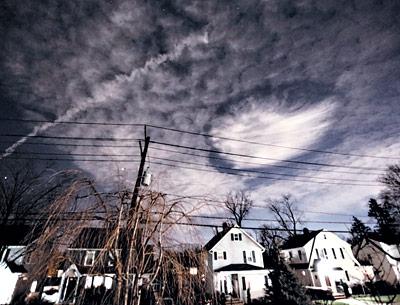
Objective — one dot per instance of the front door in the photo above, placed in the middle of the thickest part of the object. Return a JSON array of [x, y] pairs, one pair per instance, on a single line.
[[235, 286]]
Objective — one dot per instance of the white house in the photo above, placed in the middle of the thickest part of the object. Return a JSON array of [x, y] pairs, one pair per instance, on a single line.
[[235, 262], [383, 257], [322, 259], [11, 269]]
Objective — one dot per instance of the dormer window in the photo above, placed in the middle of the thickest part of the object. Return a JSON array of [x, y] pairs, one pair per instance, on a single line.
[[89, 258]]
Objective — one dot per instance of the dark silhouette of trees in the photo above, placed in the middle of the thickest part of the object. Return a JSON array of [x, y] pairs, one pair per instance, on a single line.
[[239, 205], [288, 219]]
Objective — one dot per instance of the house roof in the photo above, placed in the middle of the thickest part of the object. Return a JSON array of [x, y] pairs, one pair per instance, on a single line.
[[213, 241], [299, 240], [15, 268], [14, 235], [238, 267], [216, 238]]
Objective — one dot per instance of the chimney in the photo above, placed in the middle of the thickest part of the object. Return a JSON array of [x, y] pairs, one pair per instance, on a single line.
[[224, 226], [306, 231]]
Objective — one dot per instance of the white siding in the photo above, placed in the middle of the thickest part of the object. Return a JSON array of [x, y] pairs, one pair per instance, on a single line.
[[234, 251]]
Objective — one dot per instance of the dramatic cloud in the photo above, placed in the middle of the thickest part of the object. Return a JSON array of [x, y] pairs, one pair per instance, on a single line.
[[305, 74]]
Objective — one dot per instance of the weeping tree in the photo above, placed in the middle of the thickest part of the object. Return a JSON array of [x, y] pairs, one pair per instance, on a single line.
[[135, 240]]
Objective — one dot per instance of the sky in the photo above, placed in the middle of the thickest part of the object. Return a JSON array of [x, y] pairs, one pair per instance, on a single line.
[[297, 76]]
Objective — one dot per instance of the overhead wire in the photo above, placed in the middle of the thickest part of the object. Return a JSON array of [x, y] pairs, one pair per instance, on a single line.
[[261, 158], [190, 163], [206, 135]]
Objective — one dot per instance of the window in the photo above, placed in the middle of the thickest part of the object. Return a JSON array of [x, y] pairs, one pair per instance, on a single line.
[[326, 253], [334, 253], [237, 236], [253, 254], [244, 283], [317, 253], [111, 259], [266, 282], [341, 252], [347, 275], [324, 236], [244, 257], [290, 254], [89, 258], [6, 254], [224, 254], [215, 255], [300, 254]]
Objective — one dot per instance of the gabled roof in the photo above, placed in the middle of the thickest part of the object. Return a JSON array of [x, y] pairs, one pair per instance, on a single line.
[[299, 240], [213, 241], [238, 267], [14, 235], [217, 238]]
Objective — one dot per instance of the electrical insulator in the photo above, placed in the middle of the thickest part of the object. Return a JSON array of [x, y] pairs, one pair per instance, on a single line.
[[146, 180]]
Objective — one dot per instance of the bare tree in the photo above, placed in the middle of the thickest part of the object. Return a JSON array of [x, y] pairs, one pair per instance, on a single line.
[[239, 205], [288, 219]]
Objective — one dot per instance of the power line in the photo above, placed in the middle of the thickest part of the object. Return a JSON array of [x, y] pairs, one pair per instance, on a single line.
[[193, 163], [192, 168], [84, 213], [220, 203], [73, 160], [257, 171], [191, 154], [72, 144], [264, 164], [171, 223], [201, 134], [262, 158], [262, 177], [69, 138], [192, 197], [270, 145]]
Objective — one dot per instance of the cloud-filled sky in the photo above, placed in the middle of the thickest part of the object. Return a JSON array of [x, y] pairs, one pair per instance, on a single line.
[[316, 75]]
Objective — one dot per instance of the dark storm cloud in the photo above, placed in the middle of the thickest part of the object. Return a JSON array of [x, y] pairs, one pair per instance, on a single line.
[[328, 70]]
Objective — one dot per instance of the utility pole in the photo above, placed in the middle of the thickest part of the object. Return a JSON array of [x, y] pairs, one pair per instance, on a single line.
[[132, 225], [143, 154]]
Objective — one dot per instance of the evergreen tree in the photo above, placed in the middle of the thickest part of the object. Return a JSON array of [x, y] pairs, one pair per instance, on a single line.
[[359, 233], [386, 216], [285, 290]]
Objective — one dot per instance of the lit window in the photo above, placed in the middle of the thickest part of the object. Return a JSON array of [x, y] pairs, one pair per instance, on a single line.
[[89, 258]]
